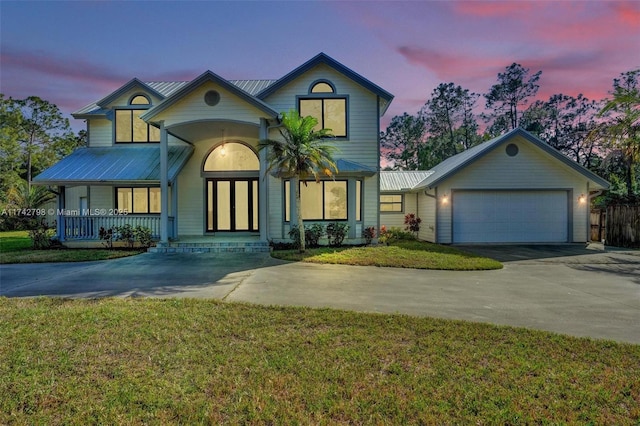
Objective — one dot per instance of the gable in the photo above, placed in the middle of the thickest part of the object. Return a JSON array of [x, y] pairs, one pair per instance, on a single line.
[[193, 106], [529, 168], [532, 145], [322, 59]]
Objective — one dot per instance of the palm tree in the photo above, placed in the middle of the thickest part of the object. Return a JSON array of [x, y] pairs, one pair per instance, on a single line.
[[302, 153]]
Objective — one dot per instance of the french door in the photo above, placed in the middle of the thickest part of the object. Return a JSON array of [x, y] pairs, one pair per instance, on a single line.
[[232, 205]]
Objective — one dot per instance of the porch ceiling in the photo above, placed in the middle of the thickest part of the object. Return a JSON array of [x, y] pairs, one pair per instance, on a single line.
[[194, 131]]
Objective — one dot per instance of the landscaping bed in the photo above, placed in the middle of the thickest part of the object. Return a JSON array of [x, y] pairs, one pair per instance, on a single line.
[[398, 254]]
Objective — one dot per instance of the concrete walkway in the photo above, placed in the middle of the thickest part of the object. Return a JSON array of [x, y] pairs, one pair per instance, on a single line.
[[573, 291]]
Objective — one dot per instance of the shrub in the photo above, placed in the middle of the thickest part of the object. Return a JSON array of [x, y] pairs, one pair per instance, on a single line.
[[143, 235], [125, 233], [388, 236], [337, 231], [312, 235], [41, 235], [412, 223], [106, 235], [369, 234]]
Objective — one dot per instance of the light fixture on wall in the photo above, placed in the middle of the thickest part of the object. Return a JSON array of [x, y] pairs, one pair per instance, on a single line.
[[223, 151], [582, 199], [445, 198]]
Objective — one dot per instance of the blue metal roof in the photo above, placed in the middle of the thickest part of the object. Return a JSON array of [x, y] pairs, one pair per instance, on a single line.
[[114, 164]]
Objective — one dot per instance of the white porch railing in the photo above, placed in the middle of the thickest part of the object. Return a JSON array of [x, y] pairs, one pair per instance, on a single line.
[[88, 227]]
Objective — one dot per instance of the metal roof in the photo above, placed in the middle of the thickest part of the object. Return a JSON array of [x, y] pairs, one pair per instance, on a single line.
[[351, 167], [167, 88], [114, 164], [402, 180], [385, 97], [452, 165]]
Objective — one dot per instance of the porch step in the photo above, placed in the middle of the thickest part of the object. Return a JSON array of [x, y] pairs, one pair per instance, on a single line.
[[214, 247]]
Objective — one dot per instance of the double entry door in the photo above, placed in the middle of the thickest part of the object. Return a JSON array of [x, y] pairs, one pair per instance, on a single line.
[[232, 205]]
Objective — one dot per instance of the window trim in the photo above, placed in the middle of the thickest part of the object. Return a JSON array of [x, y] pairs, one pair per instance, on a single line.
[[327, 95], [287, 195], [402, 204], [132, 199], [319, 81]]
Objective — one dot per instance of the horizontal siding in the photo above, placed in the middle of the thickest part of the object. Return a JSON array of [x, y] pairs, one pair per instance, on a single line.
[[275, 213], [100, 132], [396, 220], [530, 169], [427, 211], [362, 145], [192, 107], [72, 197], [101, 197]]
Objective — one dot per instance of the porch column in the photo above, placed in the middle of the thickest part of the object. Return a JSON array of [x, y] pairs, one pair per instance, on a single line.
[[164, 186], [262, 186], [174, 207], [60, 225], [351, 207]]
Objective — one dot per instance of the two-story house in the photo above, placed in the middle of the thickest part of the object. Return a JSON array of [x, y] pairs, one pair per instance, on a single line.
[[181, 157]]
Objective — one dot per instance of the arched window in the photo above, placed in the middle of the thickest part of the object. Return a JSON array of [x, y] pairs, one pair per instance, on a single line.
[[231, 156], [139, 100], [322, 87], [130, 128], [327, 106]]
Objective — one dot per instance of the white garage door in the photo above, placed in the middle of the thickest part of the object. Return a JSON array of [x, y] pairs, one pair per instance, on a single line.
[[510, 217]]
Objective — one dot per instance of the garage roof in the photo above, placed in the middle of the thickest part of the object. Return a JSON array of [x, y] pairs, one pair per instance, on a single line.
[[452, 165]]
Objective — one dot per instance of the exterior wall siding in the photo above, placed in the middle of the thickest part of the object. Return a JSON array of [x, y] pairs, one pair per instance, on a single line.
[[362, 113], [100, 132], [396, 220], [427, 210], [193, 108], [530, 169]]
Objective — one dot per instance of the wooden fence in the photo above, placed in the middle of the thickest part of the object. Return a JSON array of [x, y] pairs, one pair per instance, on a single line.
[[623, 226]]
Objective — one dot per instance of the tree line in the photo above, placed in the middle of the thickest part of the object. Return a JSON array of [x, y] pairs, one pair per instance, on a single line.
[[34, 135], [602, 135]]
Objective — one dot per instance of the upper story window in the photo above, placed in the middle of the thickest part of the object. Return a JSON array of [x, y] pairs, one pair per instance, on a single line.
[[329, 108], [130, 127]]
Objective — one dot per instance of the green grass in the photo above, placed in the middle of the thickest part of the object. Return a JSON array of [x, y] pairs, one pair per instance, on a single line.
[[15, 247], [143, 361], [402, 254]]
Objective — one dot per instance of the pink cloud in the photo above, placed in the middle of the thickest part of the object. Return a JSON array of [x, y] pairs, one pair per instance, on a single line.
[[486, 9]]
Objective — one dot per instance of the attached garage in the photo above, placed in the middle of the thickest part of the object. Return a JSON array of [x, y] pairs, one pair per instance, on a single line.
[[512, 189], [510, 217]]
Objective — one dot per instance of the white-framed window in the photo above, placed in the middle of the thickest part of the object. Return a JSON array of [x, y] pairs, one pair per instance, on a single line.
[[130, 128], [326, 200], [328, 107], [391, 203]]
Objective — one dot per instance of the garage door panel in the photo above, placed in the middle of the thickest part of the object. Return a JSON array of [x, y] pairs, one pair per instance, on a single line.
[[510, 216]]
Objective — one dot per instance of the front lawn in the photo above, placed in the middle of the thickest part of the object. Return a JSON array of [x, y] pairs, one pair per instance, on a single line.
[[144, 361], [15, 247], [401, 254]]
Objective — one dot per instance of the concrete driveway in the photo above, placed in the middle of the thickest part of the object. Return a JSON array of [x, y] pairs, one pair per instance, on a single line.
[[566, 289]]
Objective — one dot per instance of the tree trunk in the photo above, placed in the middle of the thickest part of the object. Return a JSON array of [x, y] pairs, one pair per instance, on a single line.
[[299, 214]]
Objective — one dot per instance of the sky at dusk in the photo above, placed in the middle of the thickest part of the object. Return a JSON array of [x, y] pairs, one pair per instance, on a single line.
[[74, 53]]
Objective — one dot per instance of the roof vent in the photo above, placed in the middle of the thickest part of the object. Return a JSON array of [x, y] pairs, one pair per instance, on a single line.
[[512, 150], [212, 98]]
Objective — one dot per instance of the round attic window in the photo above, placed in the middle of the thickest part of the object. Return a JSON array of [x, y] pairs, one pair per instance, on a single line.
[[212, 98], [512, 150]]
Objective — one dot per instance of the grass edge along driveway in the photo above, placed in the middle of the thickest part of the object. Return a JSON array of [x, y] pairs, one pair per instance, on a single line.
[[401, 254], [16, 247], [186, 361]]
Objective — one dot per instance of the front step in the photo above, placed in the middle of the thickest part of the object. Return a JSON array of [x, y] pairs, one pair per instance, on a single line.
[[214, 247]]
